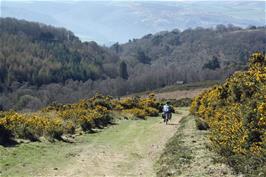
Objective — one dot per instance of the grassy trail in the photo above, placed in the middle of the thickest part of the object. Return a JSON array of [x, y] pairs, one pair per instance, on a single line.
[[129, 148], [187, 154]]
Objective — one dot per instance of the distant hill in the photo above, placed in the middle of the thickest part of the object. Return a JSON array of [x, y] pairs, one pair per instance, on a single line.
[[41, 54], [41, 64], [156, 60], [35, 58], [123, 20]]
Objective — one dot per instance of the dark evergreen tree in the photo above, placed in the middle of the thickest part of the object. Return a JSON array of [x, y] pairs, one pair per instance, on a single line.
[[123, 70], [143, 58], [116, 47], [212, 64]]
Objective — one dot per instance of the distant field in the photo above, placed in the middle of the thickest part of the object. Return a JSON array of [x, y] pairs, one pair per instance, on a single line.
[[189, 90], [178, 94]]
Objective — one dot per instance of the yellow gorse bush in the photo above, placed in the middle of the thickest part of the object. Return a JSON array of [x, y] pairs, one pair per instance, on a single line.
[[32, 126], [236, 110], [57, 119], [140, 107]]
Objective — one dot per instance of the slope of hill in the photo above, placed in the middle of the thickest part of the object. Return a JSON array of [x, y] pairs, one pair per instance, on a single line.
[[41, 54], [39, 60], [192, 55], [41, 64]]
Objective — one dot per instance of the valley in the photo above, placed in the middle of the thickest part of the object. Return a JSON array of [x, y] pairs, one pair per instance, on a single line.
[[87, 89]]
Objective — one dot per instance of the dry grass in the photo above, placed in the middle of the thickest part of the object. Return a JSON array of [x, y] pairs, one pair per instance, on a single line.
[[178, 94]]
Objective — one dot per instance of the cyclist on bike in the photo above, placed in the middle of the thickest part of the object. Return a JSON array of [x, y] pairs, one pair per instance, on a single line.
[[166, 112]]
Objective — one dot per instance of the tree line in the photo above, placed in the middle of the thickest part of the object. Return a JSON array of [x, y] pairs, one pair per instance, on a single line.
[[41, 64]]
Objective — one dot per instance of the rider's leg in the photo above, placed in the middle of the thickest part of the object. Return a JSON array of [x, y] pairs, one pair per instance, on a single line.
[[167, 117]]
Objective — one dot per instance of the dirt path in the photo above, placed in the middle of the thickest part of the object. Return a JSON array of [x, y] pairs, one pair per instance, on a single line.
[[127, 149]]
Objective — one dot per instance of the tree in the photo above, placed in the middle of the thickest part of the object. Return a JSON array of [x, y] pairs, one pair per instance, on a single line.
[[123, 70], [212, 64], [142, 57], [116, 47]]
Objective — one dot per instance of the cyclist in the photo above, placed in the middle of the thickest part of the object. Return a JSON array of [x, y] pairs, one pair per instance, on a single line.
[[166, 112]]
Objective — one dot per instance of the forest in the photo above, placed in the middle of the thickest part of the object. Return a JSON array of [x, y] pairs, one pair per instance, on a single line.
[[42, 64]]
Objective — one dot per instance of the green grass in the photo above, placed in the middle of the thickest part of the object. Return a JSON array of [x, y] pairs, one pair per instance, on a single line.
[[130, 138], [122, 135], [25, 159]]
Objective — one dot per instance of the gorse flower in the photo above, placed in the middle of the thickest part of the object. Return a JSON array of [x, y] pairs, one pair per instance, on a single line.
[[87, 114], [236, 110]]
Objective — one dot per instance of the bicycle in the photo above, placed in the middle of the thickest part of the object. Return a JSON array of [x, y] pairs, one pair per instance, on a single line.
[[166, 117]]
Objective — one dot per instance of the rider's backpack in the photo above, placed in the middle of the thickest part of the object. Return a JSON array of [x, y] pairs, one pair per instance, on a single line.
[[166, 108]]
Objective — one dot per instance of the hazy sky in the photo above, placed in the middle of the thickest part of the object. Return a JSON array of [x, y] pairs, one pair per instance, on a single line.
[[120, 20], [130, 0]]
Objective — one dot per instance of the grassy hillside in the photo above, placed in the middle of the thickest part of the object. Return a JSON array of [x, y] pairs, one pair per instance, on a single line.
[[236, 114]]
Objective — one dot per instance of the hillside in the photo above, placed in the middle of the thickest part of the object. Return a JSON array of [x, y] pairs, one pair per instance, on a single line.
[[104, 136], [41, 64], [41, 54], [198, 54], [148, 88]]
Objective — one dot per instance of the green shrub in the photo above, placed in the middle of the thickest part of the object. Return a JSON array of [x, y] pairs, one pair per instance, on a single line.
[[5, 135]]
